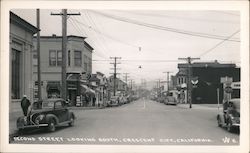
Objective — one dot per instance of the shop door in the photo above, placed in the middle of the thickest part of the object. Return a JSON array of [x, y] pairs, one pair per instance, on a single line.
[[72, 97]]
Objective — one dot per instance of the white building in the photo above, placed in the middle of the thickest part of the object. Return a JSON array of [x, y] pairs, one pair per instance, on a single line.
[[21, 45]]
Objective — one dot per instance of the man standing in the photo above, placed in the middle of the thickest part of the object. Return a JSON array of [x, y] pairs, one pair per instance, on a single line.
[[25, 104]]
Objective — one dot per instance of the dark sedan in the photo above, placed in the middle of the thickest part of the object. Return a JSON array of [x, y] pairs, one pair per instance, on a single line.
[[52, 114]]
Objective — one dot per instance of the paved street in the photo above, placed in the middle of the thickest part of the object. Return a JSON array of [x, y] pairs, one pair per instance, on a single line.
[[140, 122]]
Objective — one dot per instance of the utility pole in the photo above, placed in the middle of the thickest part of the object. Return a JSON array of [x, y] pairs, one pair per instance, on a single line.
[[126, 80], [168, 72], [38, 54], [64, 15], [159, 89], [131, 84], [189, 85], [115, 71]]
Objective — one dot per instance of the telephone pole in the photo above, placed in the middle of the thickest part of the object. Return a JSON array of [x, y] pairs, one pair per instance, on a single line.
[[168, 72], [189, 85], [38, 54], [126, 80], [131, 84], [115, 71], [64, 15]]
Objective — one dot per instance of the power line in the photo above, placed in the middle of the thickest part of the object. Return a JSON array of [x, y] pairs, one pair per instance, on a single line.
[[179, 18], [96, 46], [91, 22], [197, 34], [139, 60], [94, 24], [107, 36], [223, 12], [218, 44], [78, 29]]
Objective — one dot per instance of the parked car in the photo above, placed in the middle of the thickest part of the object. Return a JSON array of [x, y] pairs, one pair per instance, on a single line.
[[170, 100], [229, 117], [114, 101], [161, 99], [51, 114]]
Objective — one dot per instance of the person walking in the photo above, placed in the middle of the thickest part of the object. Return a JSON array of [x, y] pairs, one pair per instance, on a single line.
[[25, 104]]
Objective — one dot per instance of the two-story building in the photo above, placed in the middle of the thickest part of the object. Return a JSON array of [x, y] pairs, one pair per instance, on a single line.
[[120, 86], [78, 63], [208, 76], [21, 46]]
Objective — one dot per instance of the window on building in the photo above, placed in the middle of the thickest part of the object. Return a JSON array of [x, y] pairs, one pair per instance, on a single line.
[[68, 57], [52, 58], [34, 54], [59, 58], [85, 60], [78, 58], [55, 58], [89, 64], [16, 74]]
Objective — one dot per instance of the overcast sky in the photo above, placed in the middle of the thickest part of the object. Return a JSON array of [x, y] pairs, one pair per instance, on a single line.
[[153, 40]]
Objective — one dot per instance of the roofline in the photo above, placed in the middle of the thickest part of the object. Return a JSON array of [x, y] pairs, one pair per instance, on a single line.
[[214, 65], [88, 45], [15, 19], [69, 36]]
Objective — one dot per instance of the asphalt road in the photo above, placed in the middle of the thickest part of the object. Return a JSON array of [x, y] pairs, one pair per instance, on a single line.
[[138, 123]]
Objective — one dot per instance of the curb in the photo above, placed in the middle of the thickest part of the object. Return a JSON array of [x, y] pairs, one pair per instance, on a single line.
[[85, 108]]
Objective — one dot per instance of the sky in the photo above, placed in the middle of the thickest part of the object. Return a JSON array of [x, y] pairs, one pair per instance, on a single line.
[[150, 39]]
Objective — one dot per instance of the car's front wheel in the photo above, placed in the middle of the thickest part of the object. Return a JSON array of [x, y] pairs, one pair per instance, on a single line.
[[72, 121], [52, 125]]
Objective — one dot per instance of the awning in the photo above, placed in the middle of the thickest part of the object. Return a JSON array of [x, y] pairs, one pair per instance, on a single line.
[[91, 91], [53, 86], [86, 89]]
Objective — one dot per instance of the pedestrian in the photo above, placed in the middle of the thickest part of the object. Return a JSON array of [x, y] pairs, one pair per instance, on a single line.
[[25, 104]]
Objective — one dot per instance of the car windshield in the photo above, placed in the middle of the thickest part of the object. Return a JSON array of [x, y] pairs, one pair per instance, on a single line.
[[48, 104]]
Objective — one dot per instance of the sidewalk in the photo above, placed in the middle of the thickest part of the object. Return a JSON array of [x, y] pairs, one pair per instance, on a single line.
[[200, 106]]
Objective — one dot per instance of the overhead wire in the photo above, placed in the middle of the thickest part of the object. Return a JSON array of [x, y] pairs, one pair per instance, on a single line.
[[180, 31], [106, 35], [178, 17], [96, 27], [88, 18], [218, 44], [85, 33], [80, 32]]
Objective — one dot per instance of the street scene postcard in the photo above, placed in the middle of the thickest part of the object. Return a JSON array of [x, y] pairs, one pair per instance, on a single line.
[[106, 77]]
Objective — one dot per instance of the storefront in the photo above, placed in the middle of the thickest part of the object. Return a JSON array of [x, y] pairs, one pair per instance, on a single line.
[[53, 89]]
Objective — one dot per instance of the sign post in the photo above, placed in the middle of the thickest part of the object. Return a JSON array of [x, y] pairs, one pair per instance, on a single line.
[[218, 98]]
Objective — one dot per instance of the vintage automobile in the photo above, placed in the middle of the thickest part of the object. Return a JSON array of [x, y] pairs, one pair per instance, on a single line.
[[170, 100], [51, 114], [114, 101], [230, 115]]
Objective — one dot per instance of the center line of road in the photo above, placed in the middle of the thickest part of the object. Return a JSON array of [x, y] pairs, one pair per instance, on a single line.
[[144, 105]]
